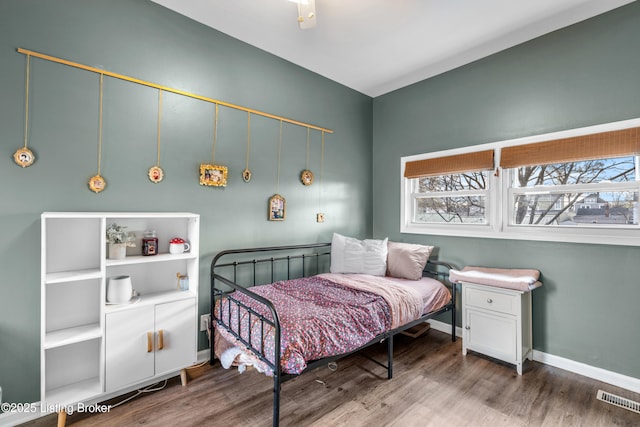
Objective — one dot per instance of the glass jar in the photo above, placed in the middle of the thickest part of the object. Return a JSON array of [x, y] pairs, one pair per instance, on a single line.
[[149, 243], [183, 282]]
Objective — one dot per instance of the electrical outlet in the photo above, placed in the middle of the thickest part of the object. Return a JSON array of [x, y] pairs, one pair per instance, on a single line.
[[320, 217], [205, 320]]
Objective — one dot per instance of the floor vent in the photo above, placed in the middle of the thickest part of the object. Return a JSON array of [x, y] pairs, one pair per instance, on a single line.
[[619, 401]]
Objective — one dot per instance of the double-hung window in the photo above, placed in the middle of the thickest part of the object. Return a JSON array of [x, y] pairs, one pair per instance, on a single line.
[[574, 186], [449, 191], [582, 188]]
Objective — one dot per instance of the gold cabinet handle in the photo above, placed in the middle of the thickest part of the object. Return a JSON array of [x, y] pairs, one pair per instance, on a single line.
[[149, 342], [160, 339]]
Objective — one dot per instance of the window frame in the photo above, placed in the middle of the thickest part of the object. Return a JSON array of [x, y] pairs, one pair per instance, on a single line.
[[499, 200]]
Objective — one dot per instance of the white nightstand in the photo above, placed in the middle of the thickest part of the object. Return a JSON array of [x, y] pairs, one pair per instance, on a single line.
[[497, 322]]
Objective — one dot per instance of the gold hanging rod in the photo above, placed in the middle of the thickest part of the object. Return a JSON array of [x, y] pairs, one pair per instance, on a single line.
[[168, 89]]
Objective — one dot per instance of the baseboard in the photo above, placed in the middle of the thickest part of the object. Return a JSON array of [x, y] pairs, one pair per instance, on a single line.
[[203, 355], [444, 327], [599, 374]]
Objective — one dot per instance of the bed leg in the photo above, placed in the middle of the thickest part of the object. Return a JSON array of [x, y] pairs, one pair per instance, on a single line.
[[453, 315], [390, 357], [453, 325], [276, 400], [212, 341]]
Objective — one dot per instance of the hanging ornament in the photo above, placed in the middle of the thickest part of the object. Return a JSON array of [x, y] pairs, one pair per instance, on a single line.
[[211, 174], [155, 172], [306, 176], [23, 156], [97, 182], [278, 204], [246, 173]]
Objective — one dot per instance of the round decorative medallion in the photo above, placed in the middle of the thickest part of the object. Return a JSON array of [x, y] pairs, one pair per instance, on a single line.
[[97, 183], [306, 177], [156, 174], [24, 157]]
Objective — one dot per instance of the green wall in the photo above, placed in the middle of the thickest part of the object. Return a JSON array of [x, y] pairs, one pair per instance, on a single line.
[[583, 75], [141, 39]]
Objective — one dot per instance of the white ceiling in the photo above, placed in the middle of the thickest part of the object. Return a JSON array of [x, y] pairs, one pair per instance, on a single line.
[[377, 46]]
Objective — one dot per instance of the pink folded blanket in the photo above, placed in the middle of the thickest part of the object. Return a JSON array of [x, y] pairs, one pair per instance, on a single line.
[[520, 279]]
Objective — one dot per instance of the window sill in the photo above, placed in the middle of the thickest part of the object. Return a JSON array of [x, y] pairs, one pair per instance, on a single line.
[[619, 237]]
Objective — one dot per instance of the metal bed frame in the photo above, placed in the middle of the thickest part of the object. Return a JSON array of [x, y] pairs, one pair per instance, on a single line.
[[306, 254]]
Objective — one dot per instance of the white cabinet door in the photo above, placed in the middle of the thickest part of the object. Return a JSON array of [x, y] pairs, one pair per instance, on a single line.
[[128, 351], [491, 334], [176, 329]]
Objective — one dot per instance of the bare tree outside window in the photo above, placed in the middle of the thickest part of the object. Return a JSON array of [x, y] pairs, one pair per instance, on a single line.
[[457, 198], [600, 196]]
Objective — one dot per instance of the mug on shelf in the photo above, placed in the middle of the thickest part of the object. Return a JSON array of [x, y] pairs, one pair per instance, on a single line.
[[178, 246]]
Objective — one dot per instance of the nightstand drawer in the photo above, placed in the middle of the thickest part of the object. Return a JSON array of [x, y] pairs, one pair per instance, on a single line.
[[489, 300]]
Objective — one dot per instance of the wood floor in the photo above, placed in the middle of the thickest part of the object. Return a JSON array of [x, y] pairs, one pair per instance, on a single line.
[[433, 385]]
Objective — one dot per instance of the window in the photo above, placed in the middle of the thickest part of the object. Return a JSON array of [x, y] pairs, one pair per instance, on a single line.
[[449, 191], [451, 199], [575, 186], [596, 193]]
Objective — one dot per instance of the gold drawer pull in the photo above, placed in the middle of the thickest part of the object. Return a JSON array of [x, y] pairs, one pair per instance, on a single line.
[[160, 339], [149, 342]]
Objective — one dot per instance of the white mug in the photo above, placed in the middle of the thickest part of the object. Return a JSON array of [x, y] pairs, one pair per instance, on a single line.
[[119, 289], [178, 248]]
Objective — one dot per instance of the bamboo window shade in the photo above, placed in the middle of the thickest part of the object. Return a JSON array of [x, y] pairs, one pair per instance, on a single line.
[[602, 145], [468, 162]]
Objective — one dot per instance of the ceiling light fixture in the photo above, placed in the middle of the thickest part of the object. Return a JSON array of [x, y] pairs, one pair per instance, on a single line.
[[306, 13]]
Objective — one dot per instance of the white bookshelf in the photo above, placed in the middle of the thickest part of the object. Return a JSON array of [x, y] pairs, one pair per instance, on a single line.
[[77, 347]]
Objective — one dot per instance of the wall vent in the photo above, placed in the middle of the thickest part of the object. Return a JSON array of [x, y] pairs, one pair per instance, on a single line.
[[619, 401]]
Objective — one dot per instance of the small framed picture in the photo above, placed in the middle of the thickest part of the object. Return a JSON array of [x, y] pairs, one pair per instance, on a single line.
[[277, 208], [97, 183], [306, 177], [246, 175], [155, 174], [24, 157], [213, 175]]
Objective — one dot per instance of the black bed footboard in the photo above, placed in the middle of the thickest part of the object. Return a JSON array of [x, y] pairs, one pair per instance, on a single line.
[[285, 263]]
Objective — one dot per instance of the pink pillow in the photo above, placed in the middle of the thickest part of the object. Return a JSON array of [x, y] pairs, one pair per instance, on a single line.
[[407, 260]]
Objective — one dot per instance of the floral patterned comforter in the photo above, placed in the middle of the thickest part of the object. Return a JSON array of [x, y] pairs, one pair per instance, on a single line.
[[318, 317]]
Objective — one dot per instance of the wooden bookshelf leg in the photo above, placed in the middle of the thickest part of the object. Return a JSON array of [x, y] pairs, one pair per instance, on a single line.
[[62, 418], [183, 377]]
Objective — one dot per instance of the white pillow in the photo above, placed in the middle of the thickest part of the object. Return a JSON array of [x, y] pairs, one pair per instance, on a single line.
[[350, 255]]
